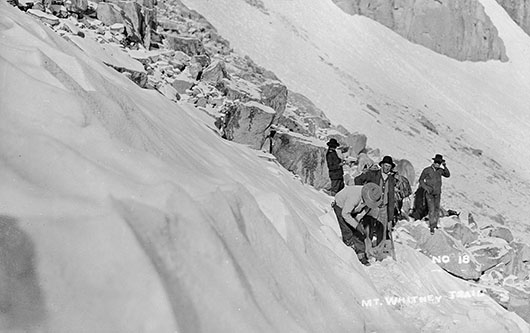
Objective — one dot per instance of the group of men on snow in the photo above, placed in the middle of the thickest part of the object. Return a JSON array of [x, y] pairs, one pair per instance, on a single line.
[[367, 211]]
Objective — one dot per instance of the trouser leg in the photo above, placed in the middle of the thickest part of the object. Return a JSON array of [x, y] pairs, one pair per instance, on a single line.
[[336, 185], [433, 202], [350, 236]]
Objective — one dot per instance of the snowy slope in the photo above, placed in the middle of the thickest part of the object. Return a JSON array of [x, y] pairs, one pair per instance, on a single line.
[[410, 101], [128, 213]]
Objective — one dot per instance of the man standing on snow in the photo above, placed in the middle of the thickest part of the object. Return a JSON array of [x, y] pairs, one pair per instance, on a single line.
[[431, 182], [350, 205], [336, 173], [384, 178]]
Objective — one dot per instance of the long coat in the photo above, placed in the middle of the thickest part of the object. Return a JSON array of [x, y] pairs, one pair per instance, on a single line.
[[334, 165], [374, 176]]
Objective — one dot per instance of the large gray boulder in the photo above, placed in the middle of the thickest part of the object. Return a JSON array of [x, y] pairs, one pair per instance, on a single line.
[[301, 156], [459, 29], [247, 123], [215, 72], [461, 232], [502, 232], [490, 252], [189, 45]]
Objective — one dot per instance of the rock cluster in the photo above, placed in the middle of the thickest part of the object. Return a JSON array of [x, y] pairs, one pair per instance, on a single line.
[[459, 29], [489, 255], [176, 51]]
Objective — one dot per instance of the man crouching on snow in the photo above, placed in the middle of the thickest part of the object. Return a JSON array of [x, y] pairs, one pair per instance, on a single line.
[[350, 205]]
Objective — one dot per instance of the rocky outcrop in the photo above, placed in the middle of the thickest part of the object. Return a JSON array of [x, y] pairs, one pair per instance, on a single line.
[[301, 156], [189, 45], [459, 29], [503, 233], [519, 11], [491, 252], [248, 122], [443, 250], [462, 233]]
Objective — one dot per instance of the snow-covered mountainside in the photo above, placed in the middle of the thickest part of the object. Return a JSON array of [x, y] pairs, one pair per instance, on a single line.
[[122, 211], [410, 101]]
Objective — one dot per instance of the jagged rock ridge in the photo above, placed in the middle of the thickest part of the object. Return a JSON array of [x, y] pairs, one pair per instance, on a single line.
[[459, 29], [519, 11]]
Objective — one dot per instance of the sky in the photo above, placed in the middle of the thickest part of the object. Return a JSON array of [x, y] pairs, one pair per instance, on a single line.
[[136, 216]]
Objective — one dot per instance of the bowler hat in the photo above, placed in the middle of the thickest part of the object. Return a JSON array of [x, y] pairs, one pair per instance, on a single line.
[[372, 196], [333, 143], [438, 159], [388, 160]]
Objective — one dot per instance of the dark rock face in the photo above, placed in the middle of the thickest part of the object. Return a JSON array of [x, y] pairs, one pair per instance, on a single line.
[[459, 29], [248, 122], [303, 158], [519, 11]]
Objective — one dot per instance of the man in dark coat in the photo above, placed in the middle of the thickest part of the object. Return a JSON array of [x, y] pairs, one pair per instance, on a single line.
[[431, 182], [336, 173], [384, 178]]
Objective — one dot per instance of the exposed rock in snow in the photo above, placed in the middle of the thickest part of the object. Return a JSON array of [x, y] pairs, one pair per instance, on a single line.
[[459, 29], [248, 122], [44, 17], [302, 157], [501, 232]]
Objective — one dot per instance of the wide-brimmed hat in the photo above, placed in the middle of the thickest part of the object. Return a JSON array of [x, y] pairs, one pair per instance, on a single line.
[[438, 158], [333, 143], [388, 160], [372, 196]]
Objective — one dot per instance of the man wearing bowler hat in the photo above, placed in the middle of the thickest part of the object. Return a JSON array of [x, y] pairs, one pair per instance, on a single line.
[[431, 182], [336, 173]]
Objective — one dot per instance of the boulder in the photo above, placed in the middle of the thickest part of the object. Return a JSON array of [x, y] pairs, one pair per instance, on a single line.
[[519, 265], [168, 91], [462, 233], [444, 250], [502, 232], [169, 25], [189, 45], [519, 302], [44, 17], [459, 29], [215, 72], [293, 124], [182, 82], [201, 59], [247, 123], [109, 13], [274, 94], [490, 252], [238, 89], [301, 156], [77, 6]]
